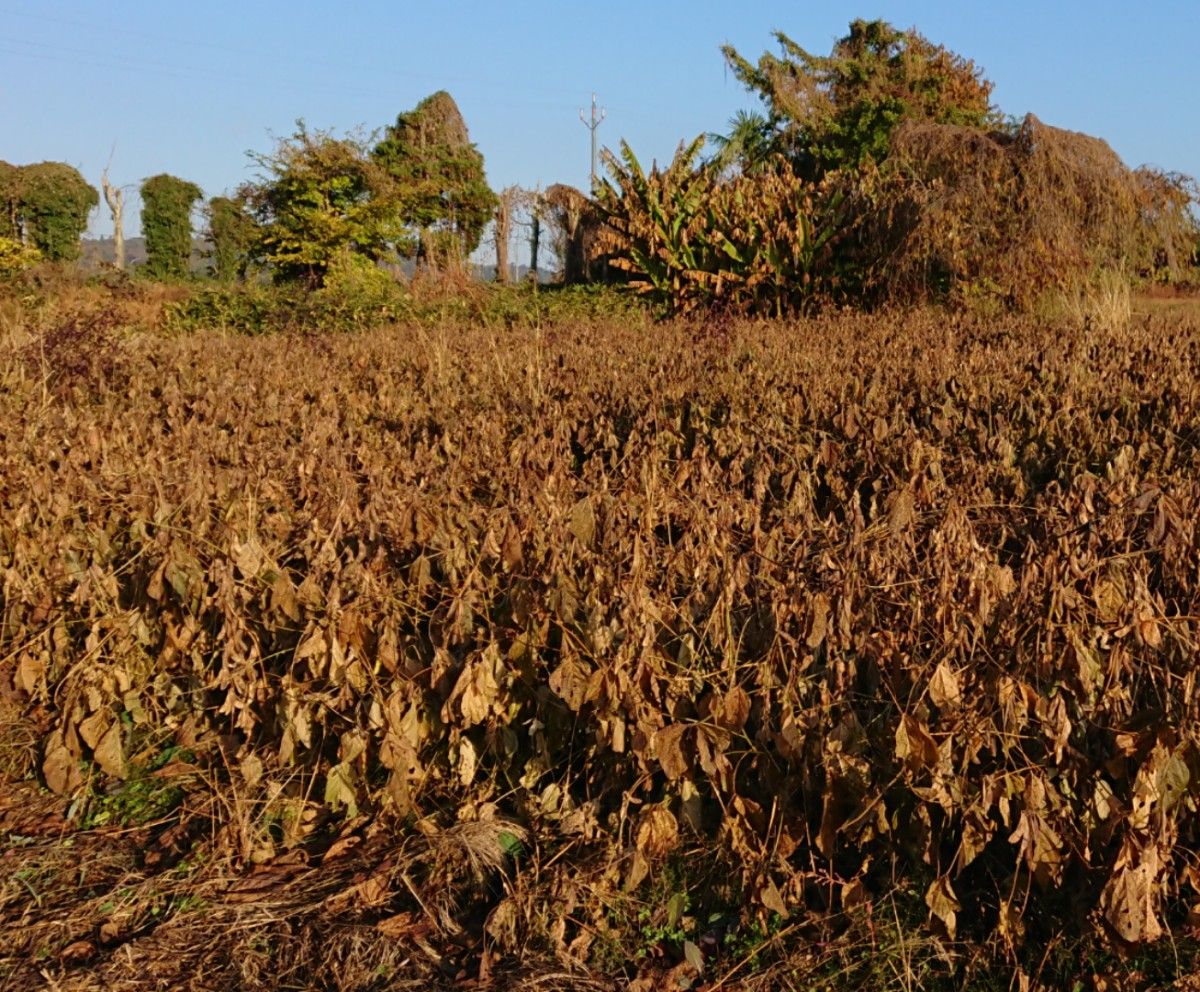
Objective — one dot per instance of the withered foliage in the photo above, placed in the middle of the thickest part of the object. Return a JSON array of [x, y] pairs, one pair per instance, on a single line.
[[81, 350], [834, 606], [963, 213]]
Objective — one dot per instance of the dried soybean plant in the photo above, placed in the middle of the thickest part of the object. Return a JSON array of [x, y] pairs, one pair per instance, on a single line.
[[834, 604]]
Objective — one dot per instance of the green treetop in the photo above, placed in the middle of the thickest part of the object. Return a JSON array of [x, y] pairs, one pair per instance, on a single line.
[[232, 231], [429, 154], [839, 110], [321, 201], [167, 203], [48, 205]]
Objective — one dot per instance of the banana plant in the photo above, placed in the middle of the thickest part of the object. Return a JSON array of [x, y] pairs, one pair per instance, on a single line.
[[692, 238]]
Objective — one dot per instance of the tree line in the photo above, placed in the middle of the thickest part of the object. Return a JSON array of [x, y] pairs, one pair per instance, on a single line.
[[881, 171], [319, 201]]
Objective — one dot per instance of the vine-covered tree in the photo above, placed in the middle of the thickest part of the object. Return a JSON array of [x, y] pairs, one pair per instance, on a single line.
[[231, 230], [167, 203], [46, 206], [429, 153], [10, 202], [839, 110], [323, 201]]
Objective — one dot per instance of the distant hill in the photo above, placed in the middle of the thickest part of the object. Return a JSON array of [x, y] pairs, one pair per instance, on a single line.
[[99, 251]]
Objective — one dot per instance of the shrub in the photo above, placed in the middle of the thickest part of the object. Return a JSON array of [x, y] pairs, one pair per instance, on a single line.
[[446, 201], [80, 351], [839, 111], [16, 257], [319, 198]]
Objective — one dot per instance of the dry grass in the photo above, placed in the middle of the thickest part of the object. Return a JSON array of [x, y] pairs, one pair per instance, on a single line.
[[1104, 303]]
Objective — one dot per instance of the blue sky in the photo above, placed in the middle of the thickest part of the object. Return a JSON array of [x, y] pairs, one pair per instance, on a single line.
[[189, 88]]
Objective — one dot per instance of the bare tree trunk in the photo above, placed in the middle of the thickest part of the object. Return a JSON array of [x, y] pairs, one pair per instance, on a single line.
[[503, 231], [501, 249], [115, 198], [535, 243], [576, 261], [536, 203]]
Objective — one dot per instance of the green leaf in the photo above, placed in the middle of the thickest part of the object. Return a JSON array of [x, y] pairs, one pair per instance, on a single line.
[[510, 843]]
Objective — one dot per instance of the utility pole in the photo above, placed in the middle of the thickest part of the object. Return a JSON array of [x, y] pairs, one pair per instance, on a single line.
[[598, 115]]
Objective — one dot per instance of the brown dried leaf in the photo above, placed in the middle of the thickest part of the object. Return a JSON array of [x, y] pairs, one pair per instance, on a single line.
[[914, 744], [902, 513], [639, 868], [570, 682], [854, 893], [944, 688], [583, 522], [669, 749], [467, 761], [110, 751], [60, 767], [771, 898], [1040, 844], [819, 623], [1130, 897], [478, 687], [77, 953], [30, 672], [735, 709], [657, 833], [943, 904]]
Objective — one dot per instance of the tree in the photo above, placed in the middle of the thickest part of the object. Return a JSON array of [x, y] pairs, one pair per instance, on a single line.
[[10, 202], [52, 205], [838, 111], [322, 201], [747, 147], [507, 203], [429, 154], [167, 203], [114, 196], [575, 224], [232, 231], [537, 209]]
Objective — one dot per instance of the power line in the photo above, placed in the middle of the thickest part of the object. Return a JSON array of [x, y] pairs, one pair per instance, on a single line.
[[520, 96], [117, 61]]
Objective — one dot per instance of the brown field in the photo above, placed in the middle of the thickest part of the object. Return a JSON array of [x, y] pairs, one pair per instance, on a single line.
[[853, 651]]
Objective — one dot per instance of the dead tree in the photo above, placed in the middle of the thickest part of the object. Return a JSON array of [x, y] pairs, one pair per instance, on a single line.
[[536, 205], [506, 207], [568, 208], [114, 196]]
